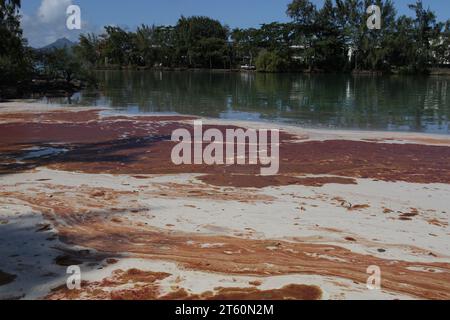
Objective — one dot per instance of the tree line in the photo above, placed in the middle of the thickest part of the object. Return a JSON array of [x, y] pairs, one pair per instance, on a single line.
[[332, 38]]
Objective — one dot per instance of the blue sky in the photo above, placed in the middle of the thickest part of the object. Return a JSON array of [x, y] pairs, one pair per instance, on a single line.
[[130, 13]]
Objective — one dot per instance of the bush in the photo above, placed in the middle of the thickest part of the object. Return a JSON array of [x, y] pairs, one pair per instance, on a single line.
[[270, 61]]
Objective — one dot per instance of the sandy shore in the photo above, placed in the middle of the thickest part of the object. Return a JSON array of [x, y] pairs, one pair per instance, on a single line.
[[88, 187]]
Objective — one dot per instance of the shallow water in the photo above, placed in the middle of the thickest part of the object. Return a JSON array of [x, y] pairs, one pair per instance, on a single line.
[[394, 103]]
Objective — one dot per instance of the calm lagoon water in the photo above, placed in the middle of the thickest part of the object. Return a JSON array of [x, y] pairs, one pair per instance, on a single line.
[[397, 103]]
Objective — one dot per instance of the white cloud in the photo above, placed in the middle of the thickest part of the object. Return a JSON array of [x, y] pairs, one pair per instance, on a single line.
[[52, 11], [48, 24]]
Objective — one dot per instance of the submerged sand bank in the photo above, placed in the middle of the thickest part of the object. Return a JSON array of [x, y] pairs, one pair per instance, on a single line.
[[86, 186]]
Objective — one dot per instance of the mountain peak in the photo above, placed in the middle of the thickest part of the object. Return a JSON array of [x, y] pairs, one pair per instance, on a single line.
[[59, 44]]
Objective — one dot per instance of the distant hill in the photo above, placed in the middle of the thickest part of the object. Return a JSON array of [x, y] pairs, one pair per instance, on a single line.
[[59, 44]]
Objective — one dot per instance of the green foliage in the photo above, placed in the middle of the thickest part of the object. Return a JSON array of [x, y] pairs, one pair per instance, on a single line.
[[327, 35], [193, 42], [20, 65], [15, 62], [201, 42], [88, 50], [145, 50], [60, 64], [117, 46], [270, 61], [442, 45], [333, 37]]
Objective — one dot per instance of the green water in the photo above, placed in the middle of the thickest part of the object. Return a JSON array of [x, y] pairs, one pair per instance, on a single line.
[[398, 103]]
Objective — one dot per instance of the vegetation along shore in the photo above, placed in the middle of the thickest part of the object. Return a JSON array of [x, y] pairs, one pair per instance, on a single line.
[[332, 38]]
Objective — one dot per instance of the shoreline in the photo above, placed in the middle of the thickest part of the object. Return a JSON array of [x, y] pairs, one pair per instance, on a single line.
[[32, 105], [373, 73], [141, 227]]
